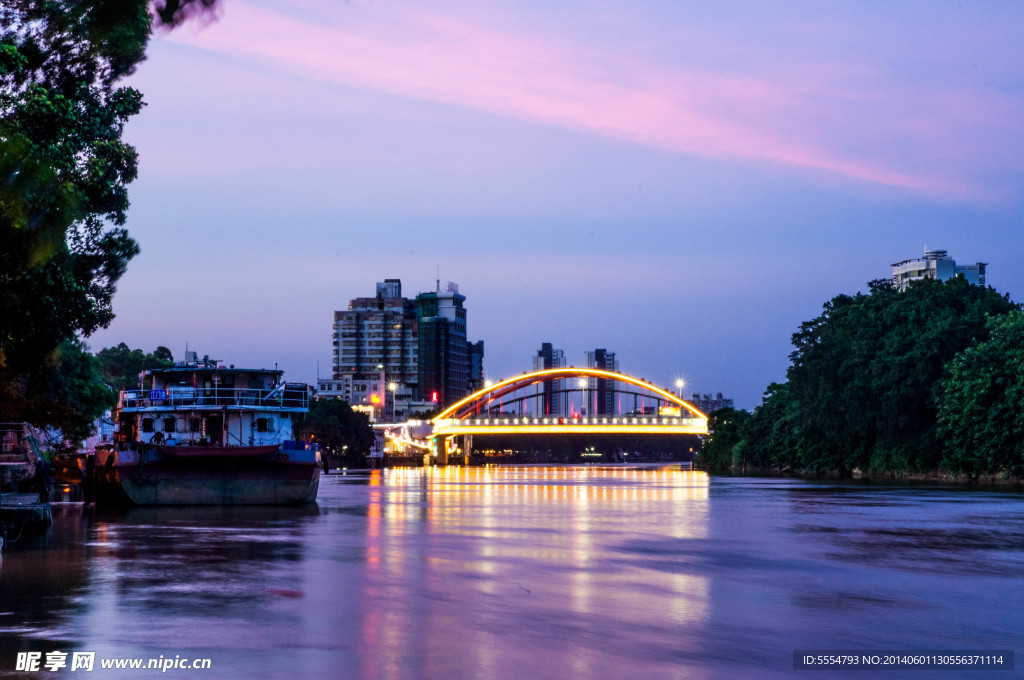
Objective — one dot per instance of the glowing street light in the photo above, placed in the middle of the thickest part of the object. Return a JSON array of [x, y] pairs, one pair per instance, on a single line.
[[680, 384], [392, 388]]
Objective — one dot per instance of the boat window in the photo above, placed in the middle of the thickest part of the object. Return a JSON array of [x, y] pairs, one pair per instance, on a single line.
[[147, 424], [261, 425], [169, 424]]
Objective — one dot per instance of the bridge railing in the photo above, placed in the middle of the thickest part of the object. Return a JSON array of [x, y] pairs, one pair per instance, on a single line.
[[582, 421]]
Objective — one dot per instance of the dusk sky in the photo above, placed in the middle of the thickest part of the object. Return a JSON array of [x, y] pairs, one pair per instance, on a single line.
[[680, 183]]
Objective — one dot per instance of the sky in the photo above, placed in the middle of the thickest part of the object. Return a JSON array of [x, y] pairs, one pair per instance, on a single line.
[[682, 183]]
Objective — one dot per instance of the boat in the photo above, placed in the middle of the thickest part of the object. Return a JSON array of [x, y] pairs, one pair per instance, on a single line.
[[24, 488], [201, 433]]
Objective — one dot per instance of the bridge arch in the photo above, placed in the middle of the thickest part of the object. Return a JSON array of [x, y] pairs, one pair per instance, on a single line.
[[466, 407]]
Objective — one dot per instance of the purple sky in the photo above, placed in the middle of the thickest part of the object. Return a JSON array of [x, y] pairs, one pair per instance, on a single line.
[[681, 183]]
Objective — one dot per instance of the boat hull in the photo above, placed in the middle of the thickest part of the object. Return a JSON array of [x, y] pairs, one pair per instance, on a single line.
[[211, 452], [23, 513], [126, 478]]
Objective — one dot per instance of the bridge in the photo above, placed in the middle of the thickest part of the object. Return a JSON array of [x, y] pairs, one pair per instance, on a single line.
[[556, 401]]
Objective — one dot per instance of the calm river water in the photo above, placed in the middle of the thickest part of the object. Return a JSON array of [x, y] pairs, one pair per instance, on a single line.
[[528, 572]]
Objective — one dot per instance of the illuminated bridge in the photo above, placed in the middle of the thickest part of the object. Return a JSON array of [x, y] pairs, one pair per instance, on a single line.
[[557, 401]]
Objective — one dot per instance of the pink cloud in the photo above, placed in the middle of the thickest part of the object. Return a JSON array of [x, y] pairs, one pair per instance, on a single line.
[[418, 55]]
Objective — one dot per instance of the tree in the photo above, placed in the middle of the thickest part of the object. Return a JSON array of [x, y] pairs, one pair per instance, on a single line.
[[861, 389], [67, 392], [342, 432], [723, 449], [771, 436], [981, 403], [120, 366], [63, 176]]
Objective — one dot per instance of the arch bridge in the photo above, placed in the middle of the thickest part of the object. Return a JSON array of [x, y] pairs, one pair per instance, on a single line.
[[556, 401]]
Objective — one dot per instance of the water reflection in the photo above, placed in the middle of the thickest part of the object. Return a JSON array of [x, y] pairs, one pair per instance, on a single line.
[[545, 572], [522, 554]]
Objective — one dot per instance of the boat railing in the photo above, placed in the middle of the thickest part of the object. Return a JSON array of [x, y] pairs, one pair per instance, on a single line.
[[214, 396], [18, 443]]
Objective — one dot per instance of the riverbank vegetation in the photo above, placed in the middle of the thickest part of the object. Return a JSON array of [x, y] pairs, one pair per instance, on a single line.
[[64, 171], [886, 381], [344, 434]]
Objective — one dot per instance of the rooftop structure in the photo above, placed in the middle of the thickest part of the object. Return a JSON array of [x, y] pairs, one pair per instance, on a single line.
[[938, 265]]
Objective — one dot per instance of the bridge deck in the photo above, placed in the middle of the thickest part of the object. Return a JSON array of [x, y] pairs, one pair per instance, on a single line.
[[599, 425]]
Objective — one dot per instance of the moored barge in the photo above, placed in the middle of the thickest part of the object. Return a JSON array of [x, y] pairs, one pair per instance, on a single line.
[[200, 433]]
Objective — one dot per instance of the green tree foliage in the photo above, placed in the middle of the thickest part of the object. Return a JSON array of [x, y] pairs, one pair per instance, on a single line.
[[67, 393], [63, 175], [724, 449], [861, 390], [981, 403], [344, 434], [120, 366], [771, 437], [64, 170]]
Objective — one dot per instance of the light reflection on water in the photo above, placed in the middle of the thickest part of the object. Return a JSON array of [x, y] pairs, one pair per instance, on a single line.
[[545, 572]]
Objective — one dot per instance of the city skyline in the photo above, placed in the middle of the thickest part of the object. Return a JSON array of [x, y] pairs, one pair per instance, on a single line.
[[685, 185]]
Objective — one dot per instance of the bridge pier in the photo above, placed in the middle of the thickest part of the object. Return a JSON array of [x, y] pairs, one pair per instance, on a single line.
[[455, 449]]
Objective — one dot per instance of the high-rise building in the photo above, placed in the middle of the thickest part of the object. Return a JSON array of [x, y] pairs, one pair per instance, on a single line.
[[375, 344], [604, 398], [936, 264], [396, 354], [551, 402], [475, 356], [706, 404], [443, 354]]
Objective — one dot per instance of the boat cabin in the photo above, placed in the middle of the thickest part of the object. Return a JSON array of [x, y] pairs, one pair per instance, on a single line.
[[201, 402]]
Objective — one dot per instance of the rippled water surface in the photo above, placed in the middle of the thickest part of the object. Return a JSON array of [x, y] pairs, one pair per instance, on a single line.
[[530, 572]]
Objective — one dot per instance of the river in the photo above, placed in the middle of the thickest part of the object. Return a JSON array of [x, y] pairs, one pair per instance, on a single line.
[[525, 572]]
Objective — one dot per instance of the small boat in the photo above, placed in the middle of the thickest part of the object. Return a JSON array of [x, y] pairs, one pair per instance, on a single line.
[[199, 433]]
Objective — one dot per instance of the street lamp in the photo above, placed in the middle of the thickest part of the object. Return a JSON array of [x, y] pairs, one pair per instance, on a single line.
[[392, 388], [383, 394], [680, 384]]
